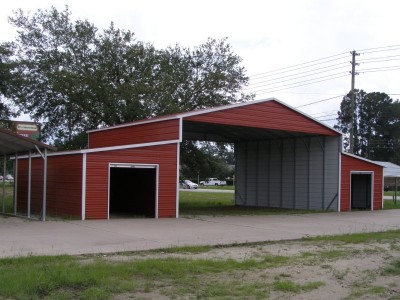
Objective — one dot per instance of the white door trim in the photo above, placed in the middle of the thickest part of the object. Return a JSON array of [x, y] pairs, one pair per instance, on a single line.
[[136, 166]]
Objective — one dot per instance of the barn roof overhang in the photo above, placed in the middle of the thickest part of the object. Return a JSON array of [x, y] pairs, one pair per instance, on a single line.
[[229, 133], [11, 143], [14, 144]]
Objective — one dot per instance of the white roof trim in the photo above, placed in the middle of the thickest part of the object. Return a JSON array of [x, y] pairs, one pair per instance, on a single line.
[[210, 110], [390, 169], [103, 149], [134, 123], [362, 158]]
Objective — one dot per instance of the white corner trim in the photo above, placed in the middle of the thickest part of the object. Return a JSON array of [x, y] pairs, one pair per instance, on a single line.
[[178, 146], [135, 123], [112, 148], [340, 181], [180, 129], [84, 187], [372, 173]]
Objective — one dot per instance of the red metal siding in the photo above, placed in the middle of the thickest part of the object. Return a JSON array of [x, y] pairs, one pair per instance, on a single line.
[[97, 177], [64, 185], [350, 164], [145, 133], [270, 115], [36, 185]]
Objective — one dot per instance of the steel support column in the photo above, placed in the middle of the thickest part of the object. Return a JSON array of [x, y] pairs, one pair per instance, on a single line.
[[281, 182], [44, 185], [257, 169], [4, 183], [29, 184], [269, 174], [15, 183]]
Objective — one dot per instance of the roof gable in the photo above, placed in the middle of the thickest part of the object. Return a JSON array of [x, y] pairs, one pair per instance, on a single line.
[[271, 114], [272, 105]]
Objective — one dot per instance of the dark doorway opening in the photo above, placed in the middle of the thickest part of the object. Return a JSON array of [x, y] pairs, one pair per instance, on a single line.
[[132, 191], [361, 191]]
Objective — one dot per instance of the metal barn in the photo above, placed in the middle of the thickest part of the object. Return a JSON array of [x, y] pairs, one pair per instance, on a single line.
[[283, 159]]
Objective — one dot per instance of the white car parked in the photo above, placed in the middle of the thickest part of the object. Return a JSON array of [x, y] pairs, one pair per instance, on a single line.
[[187, 184]]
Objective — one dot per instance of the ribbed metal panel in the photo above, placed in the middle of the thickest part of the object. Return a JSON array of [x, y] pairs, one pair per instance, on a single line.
[[144, 133], [36, 185], [299, 173], [269, 115], [97, 177], [352, 164], [64, 185]]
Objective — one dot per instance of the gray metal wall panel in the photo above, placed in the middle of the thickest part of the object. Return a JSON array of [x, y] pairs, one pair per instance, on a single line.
[[332, 148], [263, 173], [275, 174], [252, 181], [302, 174], [317, 173], [288, 169], [297, 173], [240, 176]]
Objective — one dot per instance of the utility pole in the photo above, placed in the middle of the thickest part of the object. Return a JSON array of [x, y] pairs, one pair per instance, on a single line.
[[353, 98]]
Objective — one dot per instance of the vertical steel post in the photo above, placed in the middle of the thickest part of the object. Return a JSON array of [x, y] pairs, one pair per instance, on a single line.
[[44, 185], [294, 173], [4, 183], [257, 162], [246, 171], [281, 179], [15, 183], [269, 174], [323, 173], [29, 183]]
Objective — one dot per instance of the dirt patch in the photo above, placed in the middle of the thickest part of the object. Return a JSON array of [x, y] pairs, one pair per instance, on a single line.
[[312, 270]]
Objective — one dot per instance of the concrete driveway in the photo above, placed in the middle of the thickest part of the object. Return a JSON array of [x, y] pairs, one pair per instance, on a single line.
[[19, 237]]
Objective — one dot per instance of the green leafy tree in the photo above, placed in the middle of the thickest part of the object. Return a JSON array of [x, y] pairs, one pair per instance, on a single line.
[[73, 77], [5, 78], [206, 160], [376, 122]]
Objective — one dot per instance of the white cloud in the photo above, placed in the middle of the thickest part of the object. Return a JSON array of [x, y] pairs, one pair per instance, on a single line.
[[266, 34]]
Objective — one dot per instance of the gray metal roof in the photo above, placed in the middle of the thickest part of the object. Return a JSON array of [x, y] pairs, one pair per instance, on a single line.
[[11, 143], [390, 169]]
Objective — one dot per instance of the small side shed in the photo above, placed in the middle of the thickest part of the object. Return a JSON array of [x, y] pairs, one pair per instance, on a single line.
[[361, 183]]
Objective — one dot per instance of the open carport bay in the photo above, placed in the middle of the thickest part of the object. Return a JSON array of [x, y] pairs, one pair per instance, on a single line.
[[20, 237]]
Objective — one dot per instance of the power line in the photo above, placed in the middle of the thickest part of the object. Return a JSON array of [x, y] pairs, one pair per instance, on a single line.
[[324, 112], [327, 120], [379, 51], [321, 77], [299, 77], [296, 84], [328, 115], [377, 69], [391, 46], [319, 101], [302, 64], [379, 57]]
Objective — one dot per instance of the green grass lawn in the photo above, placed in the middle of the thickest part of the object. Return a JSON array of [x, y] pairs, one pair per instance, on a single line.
[[222, 204], [161, 275], [391, 193], [212, 187], [8, 198], [389, 204]]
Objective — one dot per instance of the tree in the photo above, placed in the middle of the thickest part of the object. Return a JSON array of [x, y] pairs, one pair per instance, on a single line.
[[73, 77], [376, 124], [206, 160], [5, 78]]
